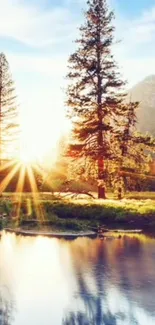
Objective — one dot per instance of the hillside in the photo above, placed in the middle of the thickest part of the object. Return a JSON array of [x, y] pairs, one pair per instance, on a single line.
[[144, 92]]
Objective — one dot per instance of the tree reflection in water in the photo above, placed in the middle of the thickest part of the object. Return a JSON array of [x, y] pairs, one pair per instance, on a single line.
[[107, 286], [6, 307], [81, 319]]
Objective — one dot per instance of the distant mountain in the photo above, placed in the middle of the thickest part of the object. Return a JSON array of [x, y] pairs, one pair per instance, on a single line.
[[144, 92]]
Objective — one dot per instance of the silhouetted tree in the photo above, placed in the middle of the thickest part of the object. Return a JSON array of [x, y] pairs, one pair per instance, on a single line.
[[8, 112]]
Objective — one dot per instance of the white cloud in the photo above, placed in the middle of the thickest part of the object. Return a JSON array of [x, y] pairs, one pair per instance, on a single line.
[[142, 30], [135, 53], [34, 26]]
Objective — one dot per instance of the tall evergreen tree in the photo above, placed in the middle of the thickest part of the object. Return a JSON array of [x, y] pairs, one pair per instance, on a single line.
[[94, 92], [8, 112]]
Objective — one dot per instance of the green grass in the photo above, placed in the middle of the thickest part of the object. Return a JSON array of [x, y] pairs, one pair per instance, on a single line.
[[82, 214], [141, 195]]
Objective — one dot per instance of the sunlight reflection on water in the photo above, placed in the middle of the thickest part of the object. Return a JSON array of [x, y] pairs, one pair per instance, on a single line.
[[82, 282]]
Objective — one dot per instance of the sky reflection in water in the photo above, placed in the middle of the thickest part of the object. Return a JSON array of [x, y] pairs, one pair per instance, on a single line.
[[84, 282]]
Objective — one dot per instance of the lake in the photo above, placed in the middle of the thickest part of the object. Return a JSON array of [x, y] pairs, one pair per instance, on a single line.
[[83, 282]]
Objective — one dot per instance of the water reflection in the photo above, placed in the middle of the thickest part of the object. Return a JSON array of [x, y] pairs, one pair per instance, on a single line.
[[6, 307], [115, 283], [95, 282]]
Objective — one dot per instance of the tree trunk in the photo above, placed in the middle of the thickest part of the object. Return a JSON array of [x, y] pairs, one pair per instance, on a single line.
[[125, 183], [101, 192], [101, 187]]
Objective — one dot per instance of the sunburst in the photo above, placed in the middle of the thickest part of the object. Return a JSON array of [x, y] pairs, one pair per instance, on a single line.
[[35, 194], [8, 177], [19, 190], [22, 169]]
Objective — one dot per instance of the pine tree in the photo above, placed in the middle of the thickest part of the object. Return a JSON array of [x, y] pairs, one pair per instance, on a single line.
[[94, 92], [134, 149], [8, 112]]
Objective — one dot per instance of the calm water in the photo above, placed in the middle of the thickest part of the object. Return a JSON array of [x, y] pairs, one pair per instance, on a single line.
[[85, 282]]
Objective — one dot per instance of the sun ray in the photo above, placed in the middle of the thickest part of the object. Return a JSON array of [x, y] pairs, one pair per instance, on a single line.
[[44, 174], [35, 194], [8, 178], [8, 164], [19, 190]]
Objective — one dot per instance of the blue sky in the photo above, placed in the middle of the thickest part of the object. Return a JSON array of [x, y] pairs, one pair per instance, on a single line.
[[37, 37], [133, 8]]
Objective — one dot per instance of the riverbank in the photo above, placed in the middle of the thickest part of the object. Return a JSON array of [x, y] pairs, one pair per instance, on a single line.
[[78, 214], [52, 234], [73, 235]]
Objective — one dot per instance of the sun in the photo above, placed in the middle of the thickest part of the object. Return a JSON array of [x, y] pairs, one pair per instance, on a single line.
[[27, 156], [40, 133], [35, 145], [38, 149]]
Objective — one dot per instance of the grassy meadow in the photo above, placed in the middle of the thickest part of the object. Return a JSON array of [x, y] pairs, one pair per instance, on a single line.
[[61, 212]]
